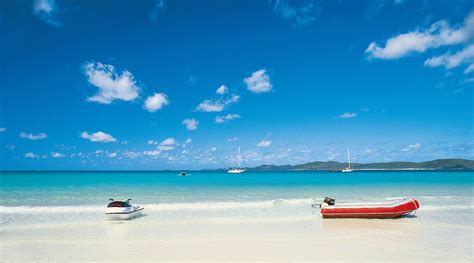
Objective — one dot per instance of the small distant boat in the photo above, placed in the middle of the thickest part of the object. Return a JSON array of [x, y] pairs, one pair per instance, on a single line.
[[238, 169], [183, 174], [119, 210], [348, 169], [395, 209]]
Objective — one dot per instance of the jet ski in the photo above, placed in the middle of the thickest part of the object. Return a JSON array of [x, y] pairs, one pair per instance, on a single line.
[[119, 210]]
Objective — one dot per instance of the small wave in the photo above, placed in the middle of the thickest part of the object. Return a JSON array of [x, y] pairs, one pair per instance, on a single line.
[[437, 197], [446, 207], [159, 206], [49, 209]]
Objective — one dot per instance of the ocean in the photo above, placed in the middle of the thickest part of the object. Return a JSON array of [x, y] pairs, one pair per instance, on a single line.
[[52, 195]]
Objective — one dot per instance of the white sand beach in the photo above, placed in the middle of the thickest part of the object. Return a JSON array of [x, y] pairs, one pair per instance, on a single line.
[[249, 234]]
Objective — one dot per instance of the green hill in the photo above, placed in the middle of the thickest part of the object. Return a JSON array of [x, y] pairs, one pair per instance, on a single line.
[[439, 164]]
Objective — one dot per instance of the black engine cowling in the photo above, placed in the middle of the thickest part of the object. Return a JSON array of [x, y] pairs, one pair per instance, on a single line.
[[329, 200]]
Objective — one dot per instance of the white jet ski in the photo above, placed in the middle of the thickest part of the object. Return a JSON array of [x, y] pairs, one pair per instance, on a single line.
[[119, 210]]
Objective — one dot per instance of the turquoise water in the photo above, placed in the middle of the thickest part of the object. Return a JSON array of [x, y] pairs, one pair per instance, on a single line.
[[91, 188], [31, 199]]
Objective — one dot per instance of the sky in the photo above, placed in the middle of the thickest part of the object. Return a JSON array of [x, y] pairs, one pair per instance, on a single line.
[[158, 84]]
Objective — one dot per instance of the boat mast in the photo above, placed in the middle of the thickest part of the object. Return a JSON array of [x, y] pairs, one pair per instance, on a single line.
[[348, 159], [240, 156]]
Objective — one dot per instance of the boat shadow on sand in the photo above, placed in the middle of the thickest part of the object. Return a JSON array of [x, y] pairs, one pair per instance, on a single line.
[[125, 220]]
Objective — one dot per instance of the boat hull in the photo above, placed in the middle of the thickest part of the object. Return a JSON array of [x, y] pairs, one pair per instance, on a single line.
[[123, 214], [393, 210]]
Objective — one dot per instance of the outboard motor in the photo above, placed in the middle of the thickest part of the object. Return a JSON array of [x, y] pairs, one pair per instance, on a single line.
[[329, 200]]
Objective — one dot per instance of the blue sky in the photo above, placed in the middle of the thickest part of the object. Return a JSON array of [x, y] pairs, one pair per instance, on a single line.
[[182, 84]]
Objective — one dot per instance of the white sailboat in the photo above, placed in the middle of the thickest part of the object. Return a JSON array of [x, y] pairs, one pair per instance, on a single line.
[[348, 169], [238, 169]]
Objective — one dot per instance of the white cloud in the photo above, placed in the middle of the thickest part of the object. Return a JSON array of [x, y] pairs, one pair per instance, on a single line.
[[264, 143], [57, 155], [347, 115], [152, 153], [217, 105], [3, 129], [411, 147], [98, 137], [131, 154], [30, 136], [167, 144], [168, 141], [233, 99], [225, 118], [112, 155], [47, 11], [153, 142], [156, 102], [222, 90], [299, 12], [112, 86], [213, 149], [420, 40], [233, 139], [191, 124], [469, 69], [258, 82], [31, 155], [188, 141], [11, 147], [450, 61], [210, 106]]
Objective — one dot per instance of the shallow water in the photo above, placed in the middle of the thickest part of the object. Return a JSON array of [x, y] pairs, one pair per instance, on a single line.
[[28, 198]]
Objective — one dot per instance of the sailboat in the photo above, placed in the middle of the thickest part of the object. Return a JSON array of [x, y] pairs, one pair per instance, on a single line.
[[238, 169], [348, 169]]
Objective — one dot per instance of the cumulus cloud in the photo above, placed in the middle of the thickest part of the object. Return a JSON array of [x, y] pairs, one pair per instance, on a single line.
[[112, 85], [210, 106], [412, 147], [112, 154], [3, 129], [226, 118], [34, 137], [264, 143], [420, 40], [450, 61], [191, 124], [47, 11], [347, 115], [222, 90], [299, 12], [167, 144], [152, 153], [233, 139], [57, 155], [156, 102], [153, 142], [188, 141], [217, 105], [258, 82], [98, 137], [31, 155]]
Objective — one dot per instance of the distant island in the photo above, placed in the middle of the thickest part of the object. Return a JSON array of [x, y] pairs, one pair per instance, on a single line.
[[439, 164]]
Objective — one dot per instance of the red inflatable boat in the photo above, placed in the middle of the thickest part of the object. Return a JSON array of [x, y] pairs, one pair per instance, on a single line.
[[388, 210]]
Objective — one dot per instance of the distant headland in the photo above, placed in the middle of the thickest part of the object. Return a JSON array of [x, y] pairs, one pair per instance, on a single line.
[[438, 164]]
